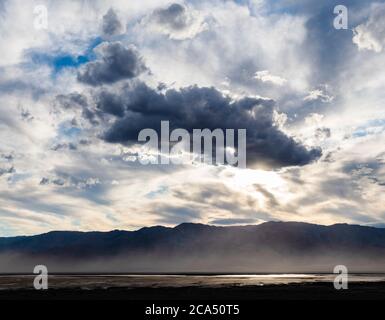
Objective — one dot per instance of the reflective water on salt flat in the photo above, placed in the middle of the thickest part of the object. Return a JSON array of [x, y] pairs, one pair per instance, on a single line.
[[134, 281]]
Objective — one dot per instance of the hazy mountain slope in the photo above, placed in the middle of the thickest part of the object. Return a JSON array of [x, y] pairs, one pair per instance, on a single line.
[[272, 246]]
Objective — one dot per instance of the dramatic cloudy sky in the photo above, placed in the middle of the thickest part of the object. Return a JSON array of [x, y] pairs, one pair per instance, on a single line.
[[74, 95]]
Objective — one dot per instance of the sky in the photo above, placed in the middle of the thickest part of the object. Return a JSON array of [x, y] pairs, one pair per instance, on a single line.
[[80, 79]]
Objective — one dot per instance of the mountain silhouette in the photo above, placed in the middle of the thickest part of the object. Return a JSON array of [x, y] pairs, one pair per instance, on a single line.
[[188, 247]]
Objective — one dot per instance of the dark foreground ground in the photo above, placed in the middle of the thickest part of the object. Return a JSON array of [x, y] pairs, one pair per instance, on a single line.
[[305, 291]]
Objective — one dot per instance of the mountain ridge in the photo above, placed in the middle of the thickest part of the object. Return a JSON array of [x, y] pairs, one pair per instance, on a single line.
[[192, 224], [192, 247]]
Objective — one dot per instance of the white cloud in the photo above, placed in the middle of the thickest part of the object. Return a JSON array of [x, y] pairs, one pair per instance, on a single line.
[[314, 119], [235, 44], [318, 94], [371, 34], [266, 76]]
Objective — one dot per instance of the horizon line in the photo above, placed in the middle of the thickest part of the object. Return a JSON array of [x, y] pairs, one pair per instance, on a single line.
[[376, 226]]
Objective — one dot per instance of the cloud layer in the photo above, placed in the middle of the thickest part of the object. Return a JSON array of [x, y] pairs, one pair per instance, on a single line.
[[74, 96]]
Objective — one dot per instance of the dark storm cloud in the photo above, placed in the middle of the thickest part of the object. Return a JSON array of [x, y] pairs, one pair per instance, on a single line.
[[117, 63], [111, 24], [174, 17], [138, 107], [110, 103]]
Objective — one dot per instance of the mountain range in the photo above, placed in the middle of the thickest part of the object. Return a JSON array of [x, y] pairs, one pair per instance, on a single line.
[[188, 247]]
